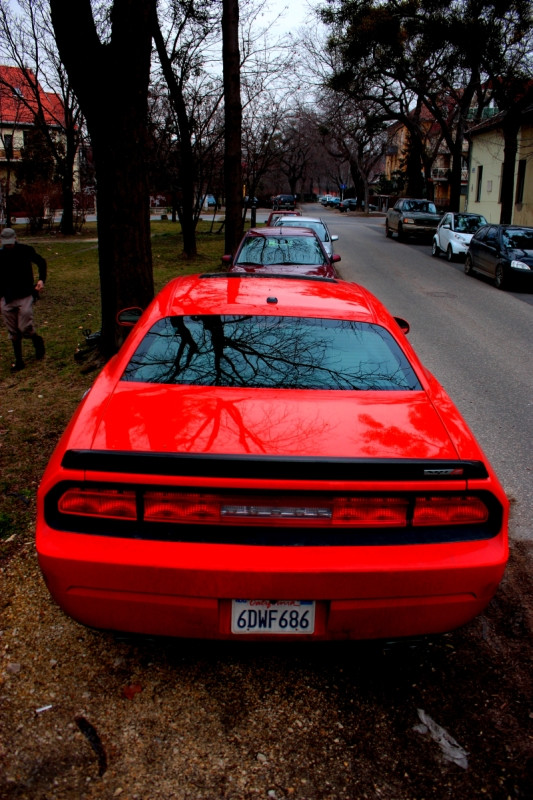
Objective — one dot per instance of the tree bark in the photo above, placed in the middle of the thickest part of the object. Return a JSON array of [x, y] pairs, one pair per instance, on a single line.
[[233, 124], [111, 82]]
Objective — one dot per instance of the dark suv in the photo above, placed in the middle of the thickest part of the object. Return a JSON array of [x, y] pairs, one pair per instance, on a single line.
[[282, 202], [412, 217]]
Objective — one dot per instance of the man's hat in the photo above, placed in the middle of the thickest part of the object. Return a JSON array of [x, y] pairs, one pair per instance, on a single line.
[[8, 235]]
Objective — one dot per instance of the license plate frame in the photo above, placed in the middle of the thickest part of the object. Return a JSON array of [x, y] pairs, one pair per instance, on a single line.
[[273, 617]]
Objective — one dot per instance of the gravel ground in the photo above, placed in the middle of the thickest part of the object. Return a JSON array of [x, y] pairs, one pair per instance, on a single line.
[[88, 714]]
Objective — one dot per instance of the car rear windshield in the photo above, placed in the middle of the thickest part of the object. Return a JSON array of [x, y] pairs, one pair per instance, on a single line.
[[257, 250], [271, 352], [318, 227]]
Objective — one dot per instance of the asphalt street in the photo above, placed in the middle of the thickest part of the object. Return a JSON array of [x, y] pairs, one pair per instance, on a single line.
[[475, 338]]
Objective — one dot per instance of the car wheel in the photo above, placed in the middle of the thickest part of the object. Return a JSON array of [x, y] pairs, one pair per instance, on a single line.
[[388, 232], [435, 249], [449, 253], [469, 266], [500, 277]]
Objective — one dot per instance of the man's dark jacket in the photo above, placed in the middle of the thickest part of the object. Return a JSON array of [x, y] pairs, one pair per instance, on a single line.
[[16, 271]]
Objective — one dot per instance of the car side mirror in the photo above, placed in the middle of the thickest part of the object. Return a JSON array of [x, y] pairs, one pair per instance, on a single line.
[[227, 259], [335, 258], [334, 238], [404, 325], [129, 317], [447, 226]]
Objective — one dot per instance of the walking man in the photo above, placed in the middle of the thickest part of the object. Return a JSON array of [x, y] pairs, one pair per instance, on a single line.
[[17, 291]]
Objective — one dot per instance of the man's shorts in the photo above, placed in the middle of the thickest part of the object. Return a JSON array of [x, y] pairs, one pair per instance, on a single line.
[[18, 317]]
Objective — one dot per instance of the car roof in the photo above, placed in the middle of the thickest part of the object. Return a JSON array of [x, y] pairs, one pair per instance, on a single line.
[[300, 220], [277, 231], [267, 294]]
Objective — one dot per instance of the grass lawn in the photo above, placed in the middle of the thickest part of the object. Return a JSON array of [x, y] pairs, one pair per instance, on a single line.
[[37, 403]]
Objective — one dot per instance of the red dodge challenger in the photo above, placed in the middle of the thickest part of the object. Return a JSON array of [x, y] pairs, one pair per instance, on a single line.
[[266, 457]]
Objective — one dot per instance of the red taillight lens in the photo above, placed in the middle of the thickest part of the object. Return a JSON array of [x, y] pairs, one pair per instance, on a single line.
[[109, 503], [444, 510], [173, 507], [295, 511], [278, 511], [371, 511]]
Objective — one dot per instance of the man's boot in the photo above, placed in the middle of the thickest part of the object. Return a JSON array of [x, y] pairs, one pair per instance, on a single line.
[[18, 363], [38, 343]]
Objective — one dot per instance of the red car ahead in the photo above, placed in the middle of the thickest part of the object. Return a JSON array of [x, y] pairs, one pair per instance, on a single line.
[[283, 251], [266, 457]]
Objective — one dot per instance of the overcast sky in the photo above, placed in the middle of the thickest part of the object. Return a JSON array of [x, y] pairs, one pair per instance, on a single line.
[[295, 13]]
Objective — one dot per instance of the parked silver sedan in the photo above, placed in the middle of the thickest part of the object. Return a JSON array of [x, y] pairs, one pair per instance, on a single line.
[[454, 233], [316, 224]]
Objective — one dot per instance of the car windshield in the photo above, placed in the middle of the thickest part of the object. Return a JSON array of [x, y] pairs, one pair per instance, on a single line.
[[266, 250], [464, 223], [271, 352], [420, 205], [518, 238], [318, 227]]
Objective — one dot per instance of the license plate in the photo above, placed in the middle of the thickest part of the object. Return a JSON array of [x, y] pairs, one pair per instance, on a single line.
[[273, 616]]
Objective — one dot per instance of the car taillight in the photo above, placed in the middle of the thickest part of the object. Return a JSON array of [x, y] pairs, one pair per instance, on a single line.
[[371, 511], [444, 510], [109, 503], [173, 507], [313, 510], [336, 512]]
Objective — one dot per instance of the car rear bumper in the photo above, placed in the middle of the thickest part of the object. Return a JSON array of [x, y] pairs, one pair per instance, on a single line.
[[185, 590]]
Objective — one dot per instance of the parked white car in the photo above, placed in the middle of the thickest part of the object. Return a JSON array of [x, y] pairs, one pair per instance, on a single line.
[[316, 224], [454, 233]]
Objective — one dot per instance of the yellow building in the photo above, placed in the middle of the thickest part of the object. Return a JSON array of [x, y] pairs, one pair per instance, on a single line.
[[485, 171]]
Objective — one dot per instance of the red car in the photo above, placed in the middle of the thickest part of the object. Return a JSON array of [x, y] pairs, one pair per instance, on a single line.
[[266, 457], [283, 251]]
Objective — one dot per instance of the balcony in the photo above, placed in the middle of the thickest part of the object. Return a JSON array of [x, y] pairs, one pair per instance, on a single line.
[[443, 174]]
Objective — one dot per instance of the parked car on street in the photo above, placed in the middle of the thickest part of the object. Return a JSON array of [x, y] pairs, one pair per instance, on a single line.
[[283, 202], [504, 253], [349, 204], [333, 202], [267, 459], [412, 217], [454, 233], [315, 223], [291, 250]]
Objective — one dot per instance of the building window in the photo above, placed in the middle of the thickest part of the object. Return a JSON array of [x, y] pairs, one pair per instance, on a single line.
[[520, 181], [8, 145], [479, 183]]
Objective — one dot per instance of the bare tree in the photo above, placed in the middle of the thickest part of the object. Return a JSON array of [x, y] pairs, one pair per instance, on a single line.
[[112, 89]]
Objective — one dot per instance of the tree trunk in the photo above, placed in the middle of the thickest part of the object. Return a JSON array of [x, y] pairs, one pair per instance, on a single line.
[[233, 124], [187, 160], [112, 89], [415, 179], [511, 127], [67, 183]]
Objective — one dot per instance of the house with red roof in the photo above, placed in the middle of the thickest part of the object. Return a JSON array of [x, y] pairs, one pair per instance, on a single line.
[[24, 106]]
